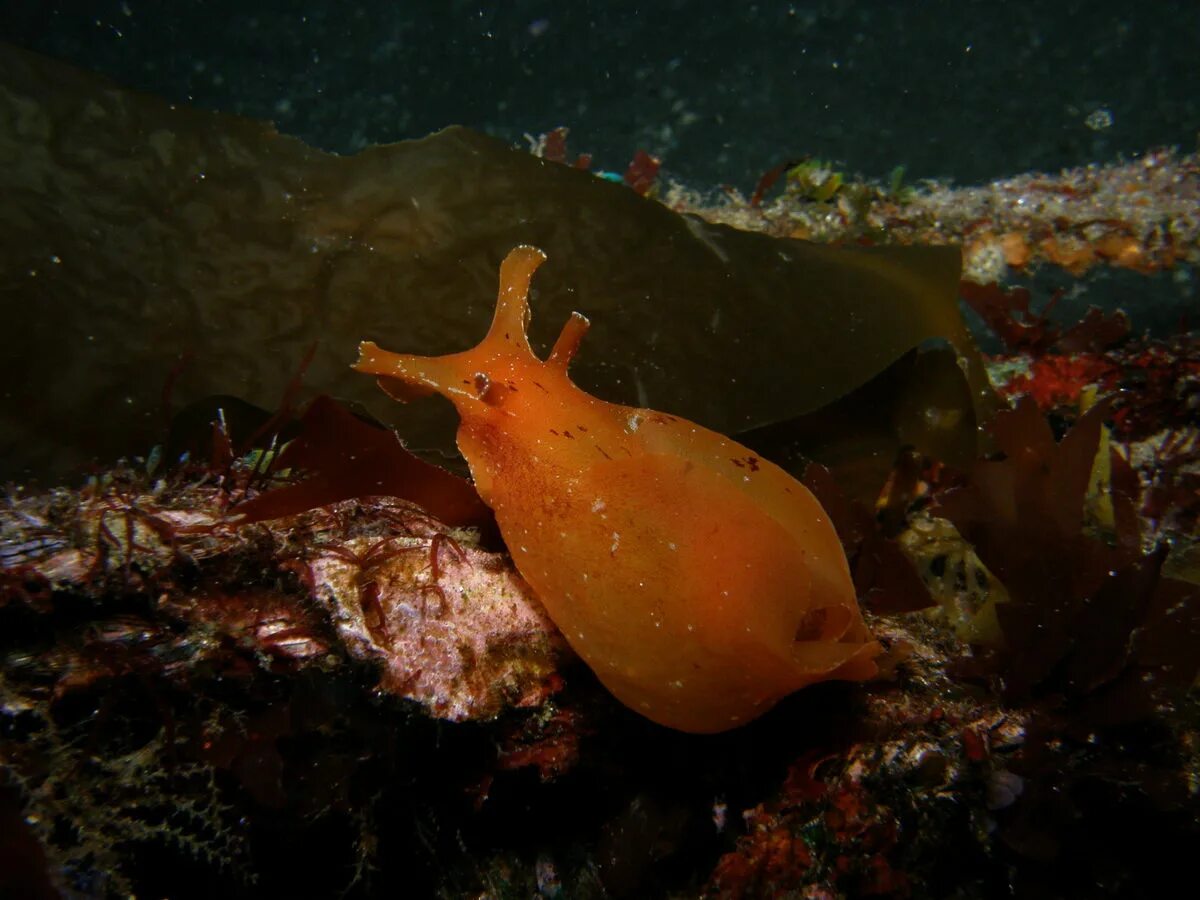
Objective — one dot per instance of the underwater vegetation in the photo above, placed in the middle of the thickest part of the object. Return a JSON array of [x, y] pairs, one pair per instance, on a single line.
[[1051, 558], [286, 655], [274, 246], [1098, 621]]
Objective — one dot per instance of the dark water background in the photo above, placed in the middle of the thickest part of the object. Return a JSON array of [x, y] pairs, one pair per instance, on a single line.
[[966, 89]]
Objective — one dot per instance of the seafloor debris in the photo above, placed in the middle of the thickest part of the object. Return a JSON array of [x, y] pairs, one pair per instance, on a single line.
[[1139, 214]]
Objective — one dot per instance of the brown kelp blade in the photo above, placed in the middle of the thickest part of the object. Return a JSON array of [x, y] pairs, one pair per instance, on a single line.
[[919, 401], [133, 231]]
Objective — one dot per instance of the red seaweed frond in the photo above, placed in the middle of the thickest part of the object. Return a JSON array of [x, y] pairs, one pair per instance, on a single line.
[[1010, 316], [1156, 383], [344, 457], [642, 172], [767, 180], [552, 146], [1088, 620]]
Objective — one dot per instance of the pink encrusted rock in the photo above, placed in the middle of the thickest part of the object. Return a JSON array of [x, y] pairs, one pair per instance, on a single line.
[[453, 626], [456, 628]]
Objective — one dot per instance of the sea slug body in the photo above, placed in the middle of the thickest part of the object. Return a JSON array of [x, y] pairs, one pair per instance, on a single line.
[[700, 582]]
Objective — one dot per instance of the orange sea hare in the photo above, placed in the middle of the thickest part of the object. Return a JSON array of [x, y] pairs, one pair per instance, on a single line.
[[701, 583]]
